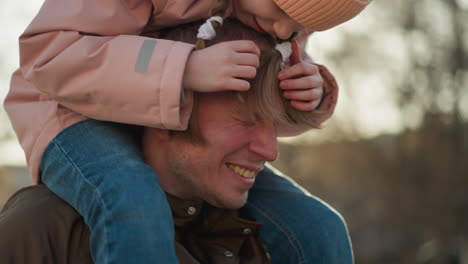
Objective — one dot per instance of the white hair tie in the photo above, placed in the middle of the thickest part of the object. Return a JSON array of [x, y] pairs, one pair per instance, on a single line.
[[285, 49], [207, 31]]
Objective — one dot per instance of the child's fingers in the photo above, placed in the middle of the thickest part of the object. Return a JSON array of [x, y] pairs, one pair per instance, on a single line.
[[307, 82], [305, 105], [248, 59], [304, 95], [244, 46], [235, 84], [245, 72], [297, 70]]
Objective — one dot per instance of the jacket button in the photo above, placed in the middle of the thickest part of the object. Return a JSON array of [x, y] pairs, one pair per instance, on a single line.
[[246, 231], [228, 254], [191, 210]]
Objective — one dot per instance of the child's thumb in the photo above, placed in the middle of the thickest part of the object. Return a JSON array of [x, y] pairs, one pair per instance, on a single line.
[[295, 57]]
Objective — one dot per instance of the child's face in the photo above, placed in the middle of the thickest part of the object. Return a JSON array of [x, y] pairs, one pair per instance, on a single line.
[[266, 17]]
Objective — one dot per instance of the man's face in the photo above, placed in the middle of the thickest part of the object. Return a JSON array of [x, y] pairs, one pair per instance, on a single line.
[[234, 148]]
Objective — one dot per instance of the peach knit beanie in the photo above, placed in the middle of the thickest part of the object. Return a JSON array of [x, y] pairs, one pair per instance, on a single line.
[[320, 15]]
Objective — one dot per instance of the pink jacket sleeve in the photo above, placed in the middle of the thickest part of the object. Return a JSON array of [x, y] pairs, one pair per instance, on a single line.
[[86, 55]]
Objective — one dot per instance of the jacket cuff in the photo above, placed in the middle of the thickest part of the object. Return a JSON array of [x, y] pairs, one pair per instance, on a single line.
[[176, 102], [330, 95]]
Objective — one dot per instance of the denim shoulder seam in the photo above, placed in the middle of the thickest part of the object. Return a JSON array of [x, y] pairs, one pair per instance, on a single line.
[[284, 229], [75, 166]]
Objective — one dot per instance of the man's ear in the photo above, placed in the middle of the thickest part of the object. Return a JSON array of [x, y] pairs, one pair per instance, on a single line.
[[161, 134], [154, 135]]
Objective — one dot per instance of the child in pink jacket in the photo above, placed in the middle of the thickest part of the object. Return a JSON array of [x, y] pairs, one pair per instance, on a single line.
[[83, 61]]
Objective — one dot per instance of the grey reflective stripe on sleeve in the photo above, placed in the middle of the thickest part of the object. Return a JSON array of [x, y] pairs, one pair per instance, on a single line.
[[182, 96], [144, 57]]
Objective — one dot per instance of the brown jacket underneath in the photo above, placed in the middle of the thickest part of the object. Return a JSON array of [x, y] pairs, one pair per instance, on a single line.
[[37, 227]]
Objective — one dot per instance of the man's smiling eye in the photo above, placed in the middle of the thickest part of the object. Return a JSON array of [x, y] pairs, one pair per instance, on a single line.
[[251, 120], [245, 122]]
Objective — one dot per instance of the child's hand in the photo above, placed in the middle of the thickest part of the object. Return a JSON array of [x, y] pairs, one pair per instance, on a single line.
[[303, 84], [223, 66]]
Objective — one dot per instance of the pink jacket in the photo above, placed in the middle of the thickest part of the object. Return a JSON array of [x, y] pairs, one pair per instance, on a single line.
[[84, 59]]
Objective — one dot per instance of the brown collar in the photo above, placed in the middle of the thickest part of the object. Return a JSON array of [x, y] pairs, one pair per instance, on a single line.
[[200, 221]]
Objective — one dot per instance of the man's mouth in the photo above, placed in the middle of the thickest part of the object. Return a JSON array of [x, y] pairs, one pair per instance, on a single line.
[[243, 172], [257, 26]]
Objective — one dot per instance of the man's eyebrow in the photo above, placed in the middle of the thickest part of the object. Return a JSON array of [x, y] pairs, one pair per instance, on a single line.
[[256, 117], [247, 116], [243, 115]]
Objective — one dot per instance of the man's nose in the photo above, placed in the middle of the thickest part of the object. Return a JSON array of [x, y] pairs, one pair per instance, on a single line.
[[264, 142]]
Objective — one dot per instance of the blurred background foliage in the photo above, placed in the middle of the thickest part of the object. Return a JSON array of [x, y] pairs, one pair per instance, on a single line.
[[394, 159]]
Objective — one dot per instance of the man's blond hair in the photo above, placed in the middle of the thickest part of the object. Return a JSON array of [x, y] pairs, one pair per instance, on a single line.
[[271, 105]]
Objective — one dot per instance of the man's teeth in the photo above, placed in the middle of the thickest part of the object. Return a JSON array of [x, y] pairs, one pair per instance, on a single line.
[[248, 174]]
